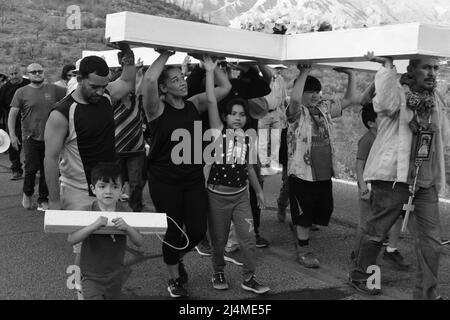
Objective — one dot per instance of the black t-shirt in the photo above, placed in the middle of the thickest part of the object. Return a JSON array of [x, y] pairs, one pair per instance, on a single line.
[[7, 92], [186, 166]]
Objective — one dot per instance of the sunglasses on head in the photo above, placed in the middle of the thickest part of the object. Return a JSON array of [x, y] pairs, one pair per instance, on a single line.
[[36, 72]]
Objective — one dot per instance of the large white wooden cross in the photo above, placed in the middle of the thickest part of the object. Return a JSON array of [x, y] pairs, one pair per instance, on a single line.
[[149, 55], [401, 41], [68, 221]]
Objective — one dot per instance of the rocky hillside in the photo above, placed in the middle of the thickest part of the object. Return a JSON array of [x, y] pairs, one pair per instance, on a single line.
[[35, 30]]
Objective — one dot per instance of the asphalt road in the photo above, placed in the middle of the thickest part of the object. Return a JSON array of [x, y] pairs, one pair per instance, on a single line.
[[33, 264]]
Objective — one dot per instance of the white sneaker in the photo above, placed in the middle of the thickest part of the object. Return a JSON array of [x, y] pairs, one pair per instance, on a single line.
[[26, 201]]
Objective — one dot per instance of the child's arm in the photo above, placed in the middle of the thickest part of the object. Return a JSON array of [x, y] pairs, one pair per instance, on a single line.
[[134, 236], [213, 111], [297, 93], [256, 186], [83, 233], [351, 96], [365, 194], [223, 88]]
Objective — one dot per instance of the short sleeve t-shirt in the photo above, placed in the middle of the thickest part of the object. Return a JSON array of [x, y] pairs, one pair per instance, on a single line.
[[364, 146], [102, 254], [35, 105]]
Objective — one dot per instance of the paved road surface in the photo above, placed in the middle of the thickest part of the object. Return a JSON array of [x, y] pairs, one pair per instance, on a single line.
[[33, 264]]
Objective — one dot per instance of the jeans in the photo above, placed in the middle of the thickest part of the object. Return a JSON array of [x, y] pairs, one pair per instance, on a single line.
[[387, 202], [222, 210], [34, 162], [132, 167]]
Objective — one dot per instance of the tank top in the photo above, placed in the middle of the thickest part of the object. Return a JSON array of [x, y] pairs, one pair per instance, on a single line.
[[161, 163]]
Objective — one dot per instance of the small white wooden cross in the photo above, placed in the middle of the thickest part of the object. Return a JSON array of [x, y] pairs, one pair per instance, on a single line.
[[408, 207]]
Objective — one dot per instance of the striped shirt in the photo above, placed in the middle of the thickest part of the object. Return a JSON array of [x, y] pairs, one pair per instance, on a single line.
[[128, 119]]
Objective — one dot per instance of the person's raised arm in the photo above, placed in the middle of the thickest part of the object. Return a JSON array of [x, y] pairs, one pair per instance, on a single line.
[[267, 73], [126, 82], [213, 111], [368, 94], [152, 103], [351, 96], [220, 91], [297, 92], [387, 99], [55, 133]]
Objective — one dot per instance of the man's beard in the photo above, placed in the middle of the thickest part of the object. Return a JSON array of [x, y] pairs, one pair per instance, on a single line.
[[37, 81]]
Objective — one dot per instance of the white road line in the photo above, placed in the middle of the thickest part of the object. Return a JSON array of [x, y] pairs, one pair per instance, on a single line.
[[353, 183]]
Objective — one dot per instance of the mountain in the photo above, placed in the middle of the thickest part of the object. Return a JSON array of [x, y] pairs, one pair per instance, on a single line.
[[342, 12], [35, 30]]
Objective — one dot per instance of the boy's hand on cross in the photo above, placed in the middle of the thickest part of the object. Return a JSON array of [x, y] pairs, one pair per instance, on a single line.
[[101, 222], [120, 224]]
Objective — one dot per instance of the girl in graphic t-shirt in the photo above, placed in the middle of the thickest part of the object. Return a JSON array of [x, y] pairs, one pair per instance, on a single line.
[[227, 185]]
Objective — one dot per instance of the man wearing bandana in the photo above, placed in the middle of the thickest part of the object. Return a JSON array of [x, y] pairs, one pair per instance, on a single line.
[[410, 111]]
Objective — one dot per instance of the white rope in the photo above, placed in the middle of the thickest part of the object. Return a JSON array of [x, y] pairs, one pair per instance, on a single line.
[[182, 231]]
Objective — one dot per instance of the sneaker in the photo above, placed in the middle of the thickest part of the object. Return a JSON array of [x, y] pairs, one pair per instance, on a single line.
[[233, 257], [183, 275], [361, 286], [396, 260], [261, 242], [176, 289], [204, 249], [16, 176], [26, 202], [253, 286], [281, 215], [43, 206], [308, 260], [219, 282]]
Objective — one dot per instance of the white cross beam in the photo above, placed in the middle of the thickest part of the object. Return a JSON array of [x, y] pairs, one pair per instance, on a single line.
[[402, 41]]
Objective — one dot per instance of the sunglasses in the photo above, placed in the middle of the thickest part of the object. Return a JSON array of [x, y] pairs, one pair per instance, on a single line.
[[36, 72]]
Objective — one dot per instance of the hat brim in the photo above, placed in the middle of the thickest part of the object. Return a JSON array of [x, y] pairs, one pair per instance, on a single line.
[[5, 141]]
